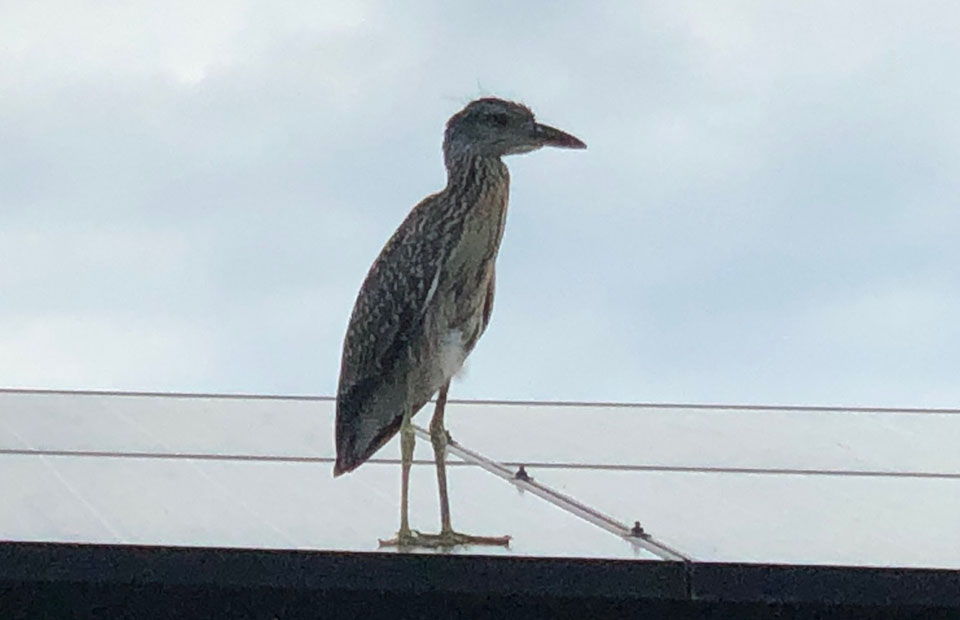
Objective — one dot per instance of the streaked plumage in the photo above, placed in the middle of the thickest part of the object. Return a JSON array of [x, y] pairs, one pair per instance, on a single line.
[[428, 297]]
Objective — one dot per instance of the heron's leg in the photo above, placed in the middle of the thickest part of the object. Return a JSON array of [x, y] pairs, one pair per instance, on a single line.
[[405, 536], [447, 536], [407, 441], [439, 438]]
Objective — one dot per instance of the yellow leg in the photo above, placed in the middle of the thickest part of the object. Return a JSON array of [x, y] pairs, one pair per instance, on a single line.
[[447, 536], [405, 536], [439, 438]]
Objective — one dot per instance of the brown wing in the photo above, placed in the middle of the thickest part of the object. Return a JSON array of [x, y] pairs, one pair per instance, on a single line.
[[381, 348]]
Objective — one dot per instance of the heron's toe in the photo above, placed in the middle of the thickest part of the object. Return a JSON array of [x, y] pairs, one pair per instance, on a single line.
[[403, 539]]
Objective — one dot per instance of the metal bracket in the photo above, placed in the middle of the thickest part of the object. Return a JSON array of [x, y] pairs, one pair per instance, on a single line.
[[523, 481]]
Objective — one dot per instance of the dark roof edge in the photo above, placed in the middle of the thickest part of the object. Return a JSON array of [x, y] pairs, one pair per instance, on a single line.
[[34, 564]]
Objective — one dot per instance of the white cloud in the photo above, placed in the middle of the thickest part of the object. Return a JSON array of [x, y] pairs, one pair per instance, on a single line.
[[190, 196]]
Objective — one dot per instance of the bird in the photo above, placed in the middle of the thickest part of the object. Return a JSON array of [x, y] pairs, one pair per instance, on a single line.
[[428, 298]]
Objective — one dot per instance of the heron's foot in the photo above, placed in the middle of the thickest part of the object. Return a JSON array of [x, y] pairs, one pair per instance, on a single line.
[[453, 539], [444, 540], [405, 538]]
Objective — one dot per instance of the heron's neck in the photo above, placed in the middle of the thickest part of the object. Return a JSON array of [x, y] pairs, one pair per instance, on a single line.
[[469, 174]]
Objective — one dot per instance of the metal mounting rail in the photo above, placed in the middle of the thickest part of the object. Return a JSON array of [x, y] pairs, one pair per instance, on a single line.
[[634, 535]]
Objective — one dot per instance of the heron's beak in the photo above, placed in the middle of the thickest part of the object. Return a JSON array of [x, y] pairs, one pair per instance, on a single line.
[[550, 136]]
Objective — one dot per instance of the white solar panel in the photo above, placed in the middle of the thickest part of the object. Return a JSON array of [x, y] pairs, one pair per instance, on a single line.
[[717, 484]]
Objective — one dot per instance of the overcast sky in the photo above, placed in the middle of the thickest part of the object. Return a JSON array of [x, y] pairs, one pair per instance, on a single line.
[[767, 211]]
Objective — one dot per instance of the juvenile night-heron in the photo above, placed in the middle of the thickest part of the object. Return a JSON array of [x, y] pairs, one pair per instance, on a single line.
[[427, 299]]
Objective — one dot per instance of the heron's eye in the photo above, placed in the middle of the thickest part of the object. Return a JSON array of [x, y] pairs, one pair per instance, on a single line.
[[498, 119]]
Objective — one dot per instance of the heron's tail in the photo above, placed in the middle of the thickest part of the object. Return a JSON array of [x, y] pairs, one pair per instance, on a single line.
[[368, 416]]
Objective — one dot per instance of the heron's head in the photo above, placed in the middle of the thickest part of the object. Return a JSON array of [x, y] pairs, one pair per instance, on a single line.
[[494, 127]]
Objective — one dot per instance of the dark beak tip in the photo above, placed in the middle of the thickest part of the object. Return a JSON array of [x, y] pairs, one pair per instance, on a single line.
[[551, 136], [571, 143], [566, 141]]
